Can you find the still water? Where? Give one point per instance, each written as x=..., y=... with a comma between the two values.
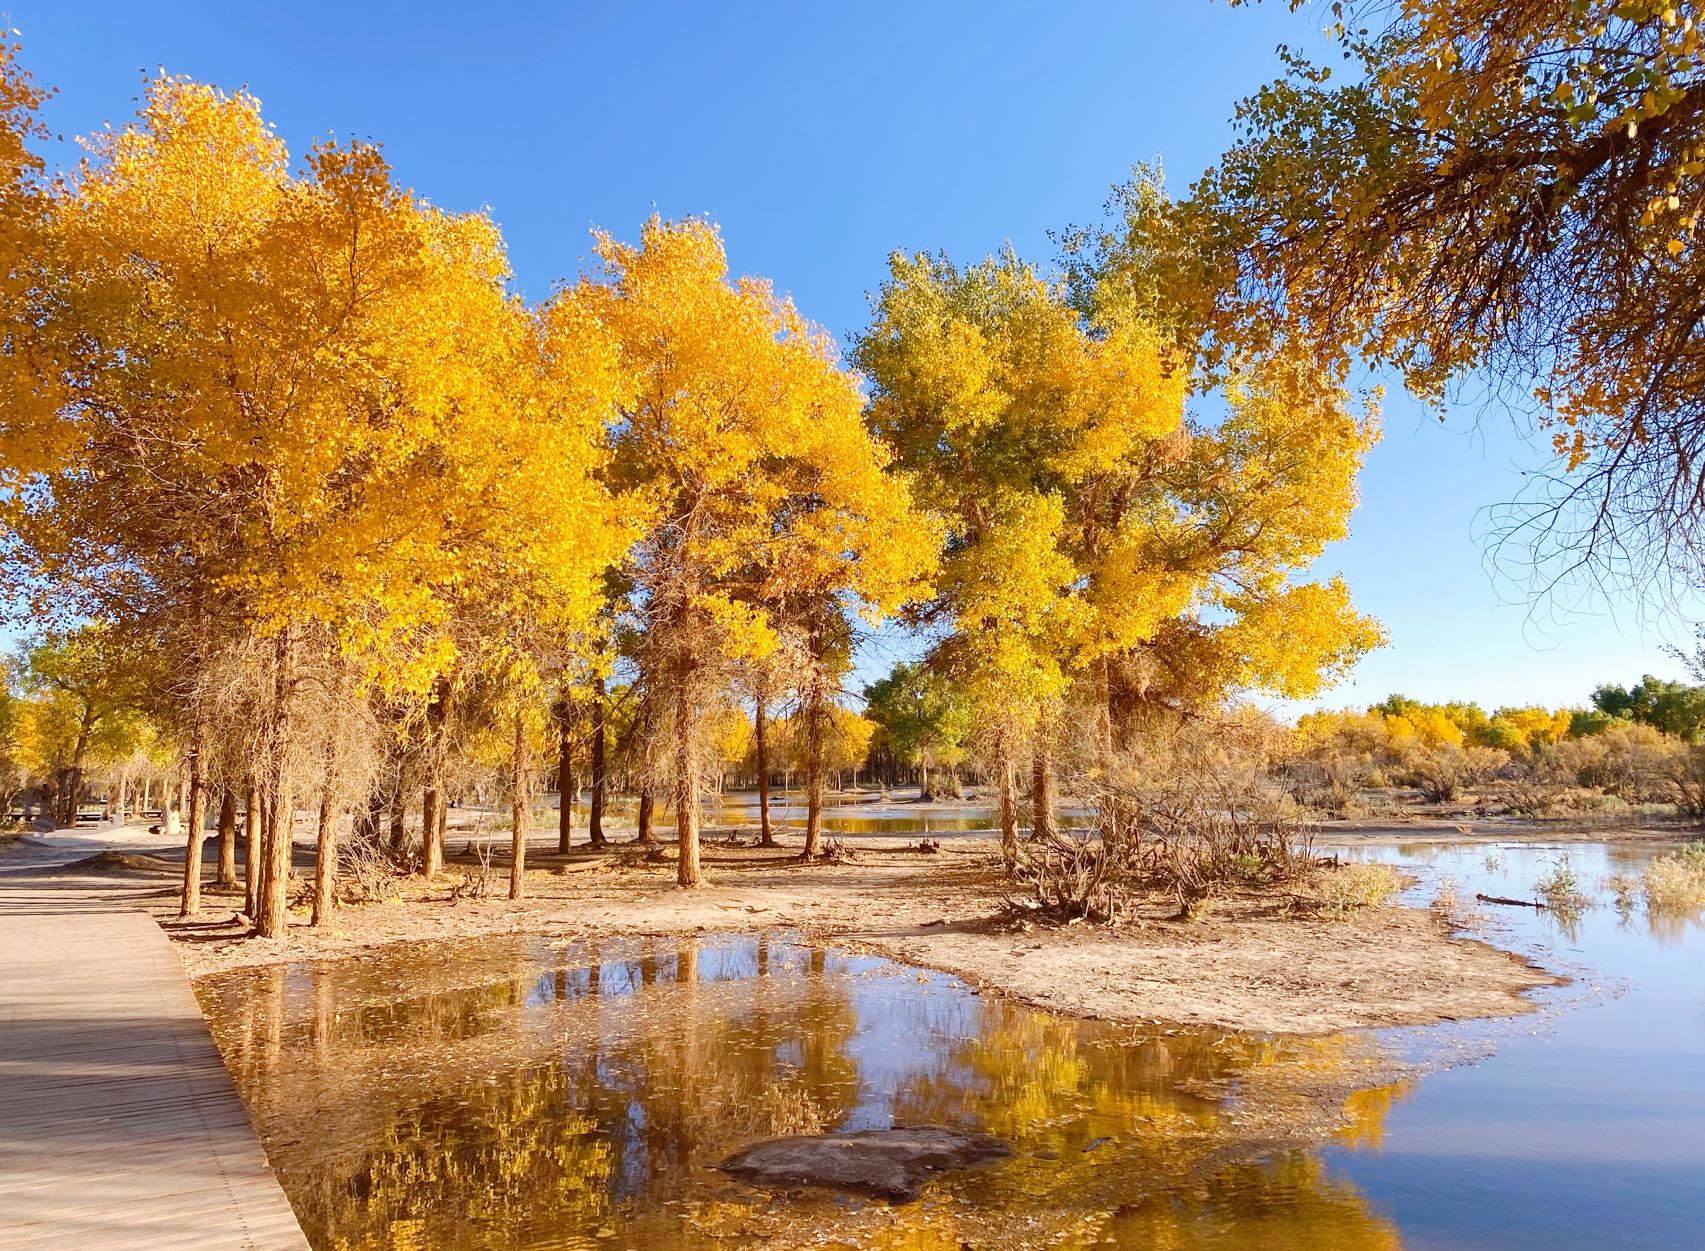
x=857, y=813
x=515, y=1092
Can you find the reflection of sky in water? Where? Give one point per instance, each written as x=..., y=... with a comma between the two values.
x=891, y=1026
x=1587, y=1128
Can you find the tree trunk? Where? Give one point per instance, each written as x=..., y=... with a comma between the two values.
x=1044, y=823
x=1110, y=815
x=760, y=727
x=433, y=809
x=518, y=811
x=686, y=783
x=74, y=777
x=227, y=878
x=274, y=921
x=325, y=859
x=647, y=812
x=814, y=771
x=274, y=901
x=1009, y=802
x=600, y=774
x=565, y=772
x=399, y=816
x=123, y=812
x=431, y=850
x=252, y=843
x=197, y=821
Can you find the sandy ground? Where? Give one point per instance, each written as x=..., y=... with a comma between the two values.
x=1244, y=970
x=1253, y=965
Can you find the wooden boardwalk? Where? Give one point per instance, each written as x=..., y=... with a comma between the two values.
x=119, y=1126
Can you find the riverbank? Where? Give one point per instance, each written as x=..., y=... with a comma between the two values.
x=1253, y=965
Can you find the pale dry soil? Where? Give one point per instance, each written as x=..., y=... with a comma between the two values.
x=1252, y=965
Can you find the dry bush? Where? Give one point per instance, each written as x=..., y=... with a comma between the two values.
x=1677, y=881
x=1441, y=774
x=368, y=872
x=477, y=879
x=1636, y=763
x=1185, y=810
x=1687, y=776
x=1328, y=782
x=1345, y=889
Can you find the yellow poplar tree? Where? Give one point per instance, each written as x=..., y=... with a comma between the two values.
x=1040, y=436
x=304, y=410
x=1097, y=534
x=30, y=437
x=762, y=485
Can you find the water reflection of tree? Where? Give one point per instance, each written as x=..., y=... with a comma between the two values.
x=458, y=1119
x=1115, y=1135
x=1287, y=1204
x=548, y=1103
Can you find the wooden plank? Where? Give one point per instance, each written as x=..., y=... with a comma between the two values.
x=119, y=1124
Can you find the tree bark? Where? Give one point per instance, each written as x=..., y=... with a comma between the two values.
x=74, y=776
x=647, y=813
x=325, y=859
x=227, y=878
x=431, y=851
x=1044, y=822
x=274, y=920
x=253, y=840
x=518, y=811
x=686, y=782
x=197, y=821
x=815, y=714
x=760, y=730
x=565, y=773
x=1009, y=802
x=433, y=809
x=600, y=774
x=399, y=815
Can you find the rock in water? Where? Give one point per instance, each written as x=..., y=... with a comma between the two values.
x=893, y=1163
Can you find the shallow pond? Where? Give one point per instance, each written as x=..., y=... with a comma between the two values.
x=848, y=813
x=1587, y=1127
x=858, y=818
x=518, y=1092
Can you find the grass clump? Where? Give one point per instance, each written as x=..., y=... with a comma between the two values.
x=1349, y=888
x=1677, y=880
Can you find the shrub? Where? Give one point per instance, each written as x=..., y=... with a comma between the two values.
x=1349, y=888
x=1186, y=811
x=1561, y=887
x=1676, y=881
x=1444, y=772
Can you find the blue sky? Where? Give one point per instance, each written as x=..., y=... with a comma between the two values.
x=821, y=138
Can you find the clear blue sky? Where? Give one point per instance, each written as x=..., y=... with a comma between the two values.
x=821, y=137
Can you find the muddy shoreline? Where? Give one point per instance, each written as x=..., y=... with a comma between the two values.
x=1252, y=966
